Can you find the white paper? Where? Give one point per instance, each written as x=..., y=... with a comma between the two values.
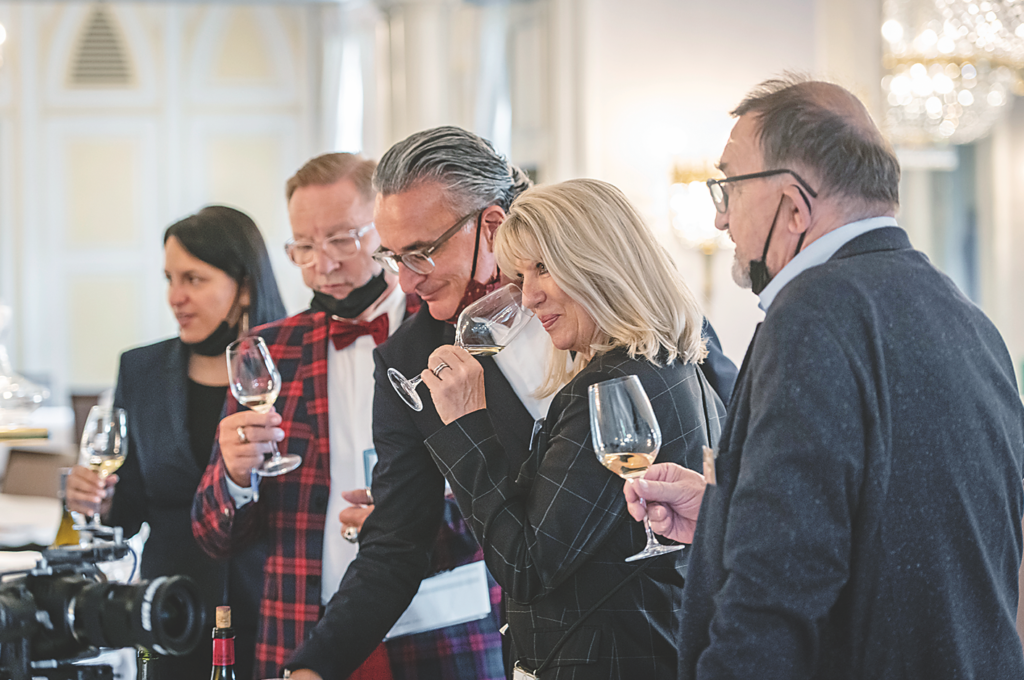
x=447, y=599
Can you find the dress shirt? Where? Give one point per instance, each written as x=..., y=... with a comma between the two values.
x=524, y=362
x=818, y=252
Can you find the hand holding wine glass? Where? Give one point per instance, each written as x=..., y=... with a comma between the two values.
x=255, y=383
x=103, y=449
x=484, y=328
x=626, y=439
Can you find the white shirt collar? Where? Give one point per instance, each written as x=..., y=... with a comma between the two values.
x=818, y=252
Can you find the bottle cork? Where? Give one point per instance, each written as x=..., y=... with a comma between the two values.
x=224, y=617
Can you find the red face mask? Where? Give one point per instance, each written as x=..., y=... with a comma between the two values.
x=474, y=291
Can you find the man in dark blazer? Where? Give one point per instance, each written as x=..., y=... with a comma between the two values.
x=324, y=356
x=442, y=194
x=866, y=521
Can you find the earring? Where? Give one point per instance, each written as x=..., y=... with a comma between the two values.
x=245, y=323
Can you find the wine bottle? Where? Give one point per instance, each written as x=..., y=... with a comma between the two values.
x=223, y=646
x=147, y=665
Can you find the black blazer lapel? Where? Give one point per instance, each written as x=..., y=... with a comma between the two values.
x=173, y=429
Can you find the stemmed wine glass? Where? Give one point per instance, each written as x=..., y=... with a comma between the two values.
x=103, y=448
x=255, y=383
x=483, y=329
x=626, y=439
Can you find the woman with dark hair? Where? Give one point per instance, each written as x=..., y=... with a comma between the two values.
x=219, y=283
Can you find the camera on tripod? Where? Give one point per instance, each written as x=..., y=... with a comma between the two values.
x=64, y=610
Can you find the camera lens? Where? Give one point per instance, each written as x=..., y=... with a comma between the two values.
x=165, y=615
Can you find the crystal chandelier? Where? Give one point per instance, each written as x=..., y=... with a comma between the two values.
x=952, y=65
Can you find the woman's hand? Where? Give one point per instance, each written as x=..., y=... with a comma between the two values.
x=456, y=382
x=244, y=439
x=352, y=518
x=86, y=492
x=673, y=494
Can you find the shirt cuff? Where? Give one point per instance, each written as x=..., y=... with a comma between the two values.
x=241, y=495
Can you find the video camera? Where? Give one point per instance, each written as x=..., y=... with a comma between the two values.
x=64, y=610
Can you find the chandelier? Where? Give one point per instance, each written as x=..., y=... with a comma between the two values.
x=951, y=67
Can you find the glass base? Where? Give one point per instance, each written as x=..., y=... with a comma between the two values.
x=272, y=467
x=406, y=389
x=654, y=551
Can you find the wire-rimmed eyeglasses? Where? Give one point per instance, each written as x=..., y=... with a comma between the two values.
x=420, y=260
x=339, y=247
x=720, y=196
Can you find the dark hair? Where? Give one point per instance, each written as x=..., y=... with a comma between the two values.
x=824, y=127
x=473, y=174
x=329, y=168
x=229, y=240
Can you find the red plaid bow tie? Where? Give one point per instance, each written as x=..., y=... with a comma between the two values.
x=344, y=333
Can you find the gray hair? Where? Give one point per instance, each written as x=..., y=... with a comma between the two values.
x=473, y=174
x=826, y=129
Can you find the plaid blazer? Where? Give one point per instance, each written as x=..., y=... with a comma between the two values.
x=555, y=531
x=291, y=515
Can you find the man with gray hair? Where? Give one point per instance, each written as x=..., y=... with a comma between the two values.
x=442, y=194
x=862, y=518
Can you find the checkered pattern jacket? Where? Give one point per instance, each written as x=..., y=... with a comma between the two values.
x=291, y=513
x=555, y=530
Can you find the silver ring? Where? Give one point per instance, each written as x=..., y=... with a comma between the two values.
x=440, y=367
x=242, y=439
x=369, y=496
x=350, y=534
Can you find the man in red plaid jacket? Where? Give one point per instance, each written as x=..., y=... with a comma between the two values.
x=323, y=414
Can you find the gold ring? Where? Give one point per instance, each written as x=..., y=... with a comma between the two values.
x=440, y=367
x=369, y=496
x=242, y=439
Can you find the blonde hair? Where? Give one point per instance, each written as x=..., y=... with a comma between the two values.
x=600, y=252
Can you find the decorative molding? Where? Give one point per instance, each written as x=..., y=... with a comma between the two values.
x=201, y=88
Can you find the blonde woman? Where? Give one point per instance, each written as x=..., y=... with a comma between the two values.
x=555, y=530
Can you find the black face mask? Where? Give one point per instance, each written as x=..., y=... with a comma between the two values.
x=216, y=342
x=355, y=303
x=759, y=275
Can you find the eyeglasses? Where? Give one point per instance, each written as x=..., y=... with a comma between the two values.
x=721, y=198
x=338, y=248
x=420, y=260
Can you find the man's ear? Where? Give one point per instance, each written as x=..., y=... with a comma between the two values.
x=798, y=212
x=491, y=219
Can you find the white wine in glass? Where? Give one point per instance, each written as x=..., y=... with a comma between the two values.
x=483, y=329
x=103, y=448
x=626, y=438
x=255, y=383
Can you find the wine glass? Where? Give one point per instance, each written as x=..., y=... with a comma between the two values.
x=103, y=448
x=255, y=383
x=483, y=329
x=626, y=439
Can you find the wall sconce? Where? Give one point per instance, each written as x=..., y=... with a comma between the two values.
x=692, y=215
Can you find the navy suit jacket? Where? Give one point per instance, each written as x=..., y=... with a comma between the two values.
x=394, y=545
x=157, y=484
x=867, y=518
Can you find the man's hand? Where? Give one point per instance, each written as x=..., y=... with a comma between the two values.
x=88, y=493
x=362, y=506
x=259, y=429
x=673, y=494
x=458, y=387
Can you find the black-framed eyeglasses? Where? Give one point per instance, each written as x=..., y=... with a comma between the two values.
x=339, y=247
x=720, y=196
x=420, y=260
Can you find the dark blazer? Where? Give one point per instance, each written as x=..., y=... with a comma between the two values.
x=157, y=483
x=867, y=518
x=555, y=530
x=393, y=555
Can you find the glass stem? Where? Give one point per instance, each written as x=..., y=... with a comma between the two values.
x=651, y=540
